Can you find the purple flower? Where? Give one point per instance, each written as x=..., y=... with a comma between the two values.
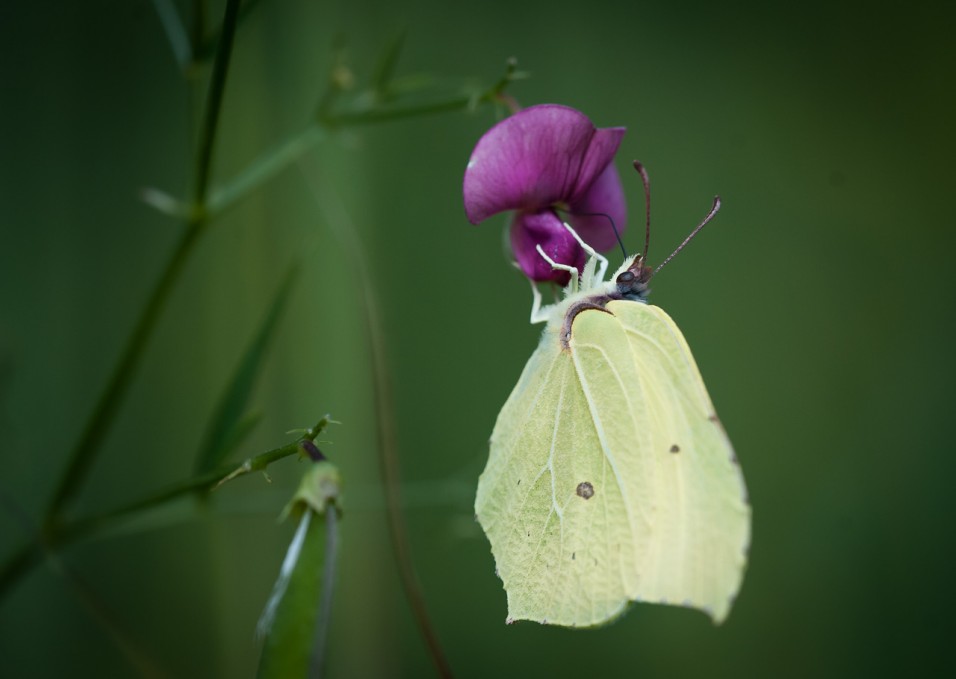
x=541, y=159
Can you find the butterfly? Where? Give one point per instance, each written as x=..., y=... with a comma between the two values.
x=610, y=478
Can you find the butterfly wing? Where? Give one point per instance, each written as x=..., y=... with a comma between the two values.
x=688, y=493
x=584, y=502
x=556, y=553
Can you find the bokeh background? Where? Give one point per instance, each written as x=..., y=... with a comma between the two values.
x=820, y=307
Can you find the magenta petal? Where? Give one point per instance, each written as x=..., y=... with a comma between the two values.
x=544, y=228
x=532, y=160
x=606, y=196
x=599, y=155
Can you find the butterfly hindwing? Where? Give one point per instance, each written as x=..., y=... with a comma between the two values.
x=548, y=503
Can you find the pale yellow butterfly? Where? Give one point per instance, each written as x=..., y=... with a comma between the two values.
x=610, y=478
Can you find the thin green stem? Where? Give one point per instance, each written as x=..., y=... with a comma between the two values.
x=207, y=481
x=98, y=425
x=121, y=635
x=209, y=45
x=217, y=86
x=379, y=114
x=376, y=114
x=284, y=154
x=388, y=447
x=19, y=564
x=337, y=218
x=55, y=537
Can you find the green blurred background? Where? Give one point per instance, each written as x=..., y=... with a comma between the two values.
x=820, y=307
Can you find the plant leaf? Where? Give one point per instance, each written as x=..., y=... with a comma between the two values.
x=385, y=72
x=296, y=619
x=231, y=423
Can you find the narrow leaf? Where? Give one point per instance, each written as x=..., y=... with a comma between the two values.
x=175, y=31
x=382, y=78
x=295, y=621
x=231, y=423
x=266, y=166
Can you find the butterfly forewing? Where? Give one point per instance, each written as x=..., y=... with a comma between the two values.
x=702, y=520
x=609, y=478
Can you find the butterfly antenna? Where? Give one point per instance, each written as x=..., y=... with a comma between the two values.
x=710, y=215
x=646, y=180
x=608, y=217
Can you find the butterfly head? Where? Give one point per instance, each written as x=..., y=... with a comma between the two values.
x=631, y=281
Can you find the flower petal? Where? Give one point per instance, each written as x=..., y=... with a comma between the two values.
x=545, y=229
x=599, y=155
x=604, y=197
x=532, y=160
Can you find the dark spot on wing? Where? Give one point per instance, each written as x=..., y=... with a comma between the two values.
x=585, y=490
x=675, y=448
x=572, y=555
x=519, y=482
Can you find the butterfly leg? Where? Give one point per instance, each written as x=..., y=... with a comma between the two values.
x=539, y=313
x=593, y=256
x=573, y=283
x=537, y=316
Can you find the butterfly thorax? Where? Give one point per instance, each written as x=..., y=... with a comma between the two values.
x=630, y=282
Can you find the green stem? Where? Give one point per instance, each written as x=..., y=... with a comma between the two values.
x=337, y=218
x=217, y=86
x=375, y=115
x=120, y=633
x=284, y=154
x=209, y=45
x=208, y=481
x=388, y=448
x=98, y=425
x=55, y=537
x=454, y=103
x=21, y=563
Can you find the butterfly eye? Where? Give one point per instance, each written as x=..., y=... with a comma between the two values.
x=625, y=277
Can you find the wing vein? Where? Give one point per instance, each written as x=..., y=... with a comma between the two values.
x=605, y=448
